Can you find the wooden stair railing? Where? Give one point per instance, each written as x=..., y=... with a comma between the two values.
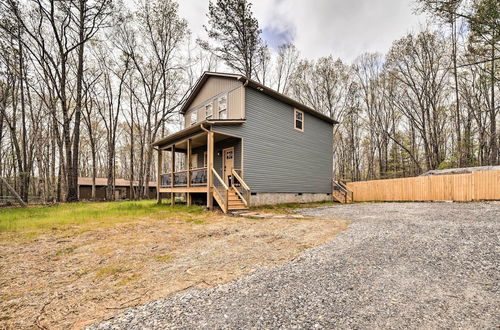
x=222, y=197
x=341, y=193
x=242, y=184
x=230, y=198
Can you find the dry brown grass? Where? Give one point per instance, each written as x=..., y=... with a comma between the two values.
x=69, y=281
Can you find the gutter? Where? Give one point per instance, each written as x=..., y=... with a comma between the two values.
x=203, y=128
x=246, y=80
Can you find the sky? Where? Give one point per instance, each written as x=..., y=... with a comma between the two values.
x=342, y=28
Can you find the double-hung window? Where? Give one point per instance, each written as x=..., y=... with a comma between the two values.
x=299, y=120
x=193, y=117
x=223, y=107
x=208, y=111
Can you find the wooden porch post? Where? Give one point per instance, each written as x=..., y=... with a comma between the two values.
x=188, y=176
x=210, y=164
x=158, y=182
x=172, y=176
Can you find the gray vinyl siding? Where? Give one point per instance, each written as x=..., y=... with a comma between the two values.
x=276, y=157
x=218, y=153
x=218, y=147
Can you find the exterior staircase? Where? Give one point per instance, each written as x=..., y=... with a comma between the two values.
x=235, y=203
x=341, y=194
x=232, y=197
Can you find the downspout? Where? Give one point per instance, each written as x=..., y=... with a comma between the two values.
x=203, y=128
x=243, y=104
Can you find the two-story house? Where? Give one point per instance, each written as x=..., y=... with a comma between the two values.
x=246, y=144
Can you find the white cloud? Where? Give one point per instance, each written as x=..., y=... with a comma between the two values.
x=342, y=28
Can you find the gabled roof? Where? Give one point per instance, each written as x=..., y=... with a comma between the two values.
x=252, y=83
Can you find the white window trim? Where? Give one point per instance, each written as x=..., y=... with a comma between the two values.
x=206, y=113
x=218, y=103
x=193, y=112
x=295, y=120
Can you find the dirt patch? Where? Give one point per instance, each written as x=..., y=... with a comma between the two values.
x=71, y=281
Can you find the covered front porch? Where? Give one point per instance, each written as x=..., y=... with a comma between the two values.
x=203, y=165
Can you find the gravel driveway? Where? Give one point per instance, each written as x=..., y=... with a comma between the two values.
x=399, y=265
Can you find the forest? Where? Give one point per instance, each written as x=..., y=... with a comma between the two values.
x=87, y=85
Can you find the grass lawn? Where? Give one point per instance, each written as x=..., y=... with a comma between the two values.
x=71, y=265
x=40, y=219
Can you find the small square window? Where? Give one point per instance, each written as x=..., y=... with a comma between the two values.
x=299, y=120
x=208, y=111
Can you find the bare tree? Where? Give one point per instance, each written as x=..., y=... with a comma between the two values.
x=286, y=62
x=420, y=64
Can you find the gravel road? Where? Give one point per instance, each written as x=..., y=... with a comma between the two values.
x=399, y=265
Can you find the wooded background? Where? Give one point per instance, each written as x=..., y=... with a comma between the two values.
x=87, y=85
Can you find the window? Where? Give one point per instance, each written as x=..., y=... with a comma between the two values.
x=299, y=120
x=208, y=111
x=223, y=107
x=194, y=161
x=194, y=117
x=205, y=159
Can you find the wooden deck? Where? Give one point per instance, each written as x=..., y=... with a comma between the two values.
x=201, y=189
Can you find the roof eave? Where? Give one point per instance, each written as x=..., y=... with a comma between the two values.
x=288, y=100
x=266, y=90
x=194, y=128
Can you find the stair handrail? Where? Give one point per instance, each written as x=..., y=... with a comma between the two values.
x=226, y=188
x=219, y=179
x=246, y=200
x=344, y=190
x=348, y=192
x=342, y=184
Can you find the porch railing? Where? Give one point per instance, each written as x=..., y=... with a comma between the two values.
x=198, y=177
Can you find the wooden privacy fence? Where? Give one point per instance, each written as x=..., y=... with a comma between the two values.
x=479, y=185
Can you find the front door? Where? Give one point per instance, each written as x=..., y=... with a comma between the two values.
x=227, y=163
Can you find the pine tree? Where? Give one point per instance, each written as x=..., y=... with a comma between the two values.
x=236, y=34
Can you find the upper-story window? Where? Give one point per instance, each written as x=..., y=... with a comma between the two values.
x=223, y=107
x=208, y=111
x=299, y=120
x=194, y=117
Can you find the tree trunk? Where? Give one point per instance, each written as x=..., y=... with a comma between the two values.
x=73, y=172
x=493, y=125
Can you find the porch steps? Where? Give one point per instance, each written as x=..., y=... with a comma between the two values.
x=341, y=198
x=341, y=193
x=234, y=202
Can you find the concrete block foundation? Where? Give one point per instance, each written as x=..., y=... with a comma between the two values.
x=279, y=198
